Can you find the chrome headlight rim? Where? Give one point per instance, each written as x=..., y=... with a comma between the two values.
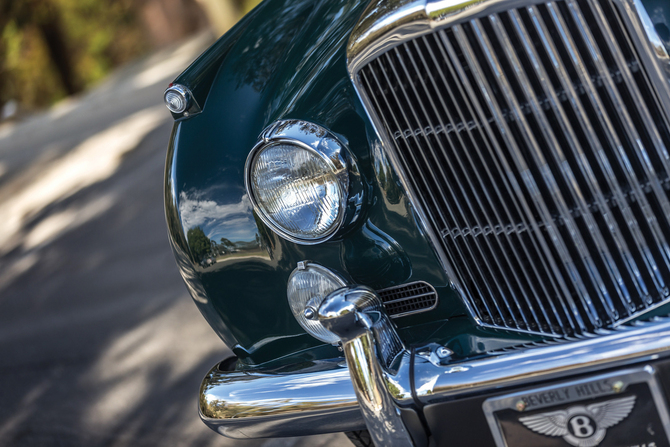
x=323, y=144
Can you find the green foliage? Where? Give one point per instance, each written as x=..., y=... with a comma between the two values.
x=97, y=35
x=26, y=74
x=103, y=34
x=52, y=48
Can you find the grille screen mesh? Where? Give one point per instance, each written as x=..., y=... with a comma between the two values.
x=538, y=150
x=408, y=298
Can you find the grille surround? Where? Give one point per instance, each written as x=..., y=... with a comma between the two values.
x=527, y=309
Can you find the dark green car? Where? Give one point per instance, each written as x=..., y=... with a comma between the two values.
x=431, y=222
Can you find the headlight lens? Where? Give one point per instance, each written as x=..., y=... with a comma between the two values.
x=297, y=191
x=311, y=283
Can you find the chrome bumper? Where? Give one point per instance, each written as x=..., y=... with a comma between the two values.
x=321, y=399
x=312, y=399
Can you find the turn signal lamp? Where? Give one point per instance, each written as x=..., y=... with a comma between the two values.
x=177, y=98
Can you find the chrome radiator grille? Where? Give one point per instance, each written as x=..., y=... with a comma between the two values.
x=537, y=147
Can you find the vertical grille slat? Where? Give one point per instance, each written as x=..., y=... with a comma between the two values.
x=589, y=213
x=530, y=182
x=642, y=157
x=536, y=147
x=482, y=203
x=569, y=203
x=528, y=221
x=459, y=253
x=491, y=193
x=603, y=167
x=469, y=217
x=633, y=185
x=600, y=210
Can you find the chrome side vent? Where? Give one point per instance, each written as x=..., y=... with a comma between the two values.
x=536, y=144
x=408, y=299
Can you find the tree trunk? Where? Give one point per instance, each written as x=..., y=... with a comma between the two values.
x=52, y=32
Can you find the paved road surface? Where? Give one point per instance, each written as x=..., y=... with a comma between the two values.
x=100, y=344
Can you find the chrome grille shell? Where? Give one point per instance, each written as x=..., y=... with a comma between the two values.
x=532, y=139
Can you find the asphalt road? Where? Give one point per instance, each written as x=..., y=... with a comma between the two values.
x=100, y=344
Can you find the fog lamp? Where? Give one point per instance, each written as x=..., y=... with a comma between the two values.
x=308, y=285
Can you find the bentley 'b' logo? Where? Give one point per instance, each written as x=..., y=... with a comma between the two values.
x=581, y=426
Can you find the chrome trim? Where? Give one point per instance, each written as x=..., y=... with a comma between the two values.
x=301, y=400
x=389, y=23
x=332, y=150
x=319, y=397
x=385, y=26
x=357, y=316
x=624, y=346
x=654, y=56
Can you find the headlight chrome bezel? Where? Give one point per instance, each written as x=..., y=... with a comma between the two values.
x=329, y=149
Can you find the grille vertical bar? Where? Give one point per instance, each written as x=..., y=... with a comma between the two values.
x=536, y=145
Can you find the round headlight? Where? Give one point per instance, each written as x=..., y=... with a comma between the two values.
x=308, y=285
x=298, y=182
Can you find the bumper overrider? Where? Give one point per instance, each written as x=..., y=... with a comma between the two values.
x=397, y=393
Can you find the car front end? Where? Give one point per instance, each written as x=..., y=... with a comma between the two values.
x=445, y=222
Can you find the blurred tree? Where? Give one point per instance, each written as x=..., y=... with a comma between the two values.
x=167, y=21
x=45, y=17
x=53, y=48
x=223, y=14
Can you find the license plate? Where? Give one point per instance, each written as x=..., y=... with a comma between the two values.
x=623, y=409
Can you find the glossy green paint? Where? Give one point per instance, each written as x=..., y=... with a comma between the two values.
x=659, y=14
x=287, y=60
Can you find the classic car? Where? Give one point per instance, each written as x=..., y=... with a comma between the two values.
x=431, y=222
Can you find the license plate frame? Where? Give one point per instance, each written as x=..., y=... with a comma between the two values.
x=564, y=414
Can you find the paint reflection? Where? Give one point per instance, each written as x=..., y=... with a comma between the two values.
x=372, y=257
x=218, y=232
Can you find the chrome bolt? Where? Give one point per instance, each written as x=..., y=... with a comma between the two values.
x=617, y=387
x=443, y=352
x=520, y=405
x=309, y=313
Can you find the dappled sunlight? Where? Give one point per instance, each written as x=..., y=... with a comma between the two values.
x=63, y=108
x=101, y=344
x=134, y=363
x=6, y=129
x=92, y=161
x=17, y=268
x=29, y=406
x=69, y=219
x=168, y=64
